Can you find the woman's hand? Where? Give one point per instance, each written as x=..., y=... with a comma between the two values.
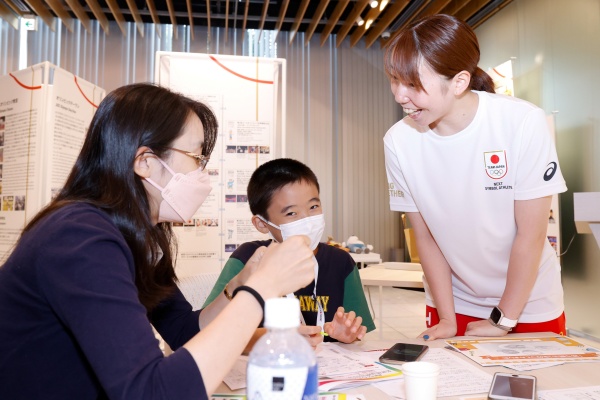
x=312, y=334
x=345, y=327
x=443, y=330
x=484, y=328
x=283, y=267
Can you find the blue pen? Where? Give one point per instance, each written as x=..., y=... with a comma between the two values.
x=425, y=337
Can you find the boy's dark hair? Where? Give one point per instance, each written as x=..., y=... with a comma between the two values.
x=272, y=176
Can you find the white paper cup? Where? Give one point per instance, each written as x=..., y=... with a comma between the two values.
x=420, y=380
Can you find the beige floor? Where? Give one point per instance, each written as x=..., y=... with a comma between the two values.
x=403, y=313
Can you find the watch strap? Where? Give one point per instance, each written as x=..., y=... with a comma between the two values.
x=498, y=319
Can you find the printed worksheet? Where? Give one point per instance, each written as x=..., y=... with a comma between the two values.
x=336, y=362
x=322, y=396
x=519, y=350
x=340, y=368
x=580, y=393
x=457, y=376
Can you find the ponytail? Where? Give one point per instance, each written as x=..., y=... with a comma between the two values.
x=480, y=80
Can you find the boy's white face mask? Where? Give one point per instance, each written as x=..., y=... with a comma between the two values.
x=313, y=227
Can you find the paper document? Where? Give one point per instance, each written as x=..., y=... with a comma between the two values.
x=236, y=378
x=340, y=368
x=457, y=376
x=507, y=351
x=519, y=367
x=580, y=393
x=322, y=396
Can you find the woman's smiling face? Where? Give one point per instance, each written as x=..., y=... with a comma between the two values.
x=428, y=106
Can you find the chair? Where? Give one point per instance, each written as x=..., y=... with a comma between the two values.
x=411, y=242
x=196, y=288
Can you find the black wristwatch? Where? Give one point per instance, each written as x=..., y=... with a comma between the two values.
x=498, y=319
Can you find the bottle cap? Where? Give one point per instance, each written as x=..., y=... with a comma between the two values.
x=282, y=313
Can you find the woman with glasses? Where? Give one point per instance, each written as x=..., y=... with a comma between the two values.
x=93, y=271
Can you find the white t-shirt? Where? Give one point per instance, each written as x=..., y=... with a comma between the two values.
x=465, y=185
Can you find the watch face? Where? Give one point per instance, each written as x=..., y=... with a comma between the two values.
x=496, y=315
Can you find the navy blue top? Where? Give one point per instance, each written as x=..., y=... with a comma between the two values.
x=71, y=324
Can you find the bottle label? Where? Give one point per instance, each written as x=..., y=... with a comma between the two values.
x=265, y=383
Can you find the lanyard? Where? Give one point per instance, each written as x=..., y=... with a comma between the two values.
x=320, y=312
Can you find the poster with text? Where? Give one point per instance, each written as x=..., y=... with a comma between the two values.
x=22, y=108
x=243, y=93
x=43, y=119
x=72, y=103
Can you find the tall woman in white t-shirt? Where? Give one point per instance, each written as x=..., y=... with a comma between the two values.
x=475, y=172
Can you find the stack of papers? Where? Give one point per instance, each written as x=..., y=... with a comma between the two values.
x=322, y=396
x=341, y=369
x=525, y=353
x=580, y=393
x=457, y=376
x=338, y=368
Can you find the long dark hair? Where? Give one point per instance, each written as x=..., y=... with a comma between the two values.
x=128, y=118
x=444, y=42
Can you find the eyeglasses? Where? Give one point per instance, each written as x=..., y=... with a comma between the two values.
x=200, y=159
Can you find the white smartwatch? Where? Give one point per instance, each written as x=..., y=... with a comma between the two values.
x=498, y=319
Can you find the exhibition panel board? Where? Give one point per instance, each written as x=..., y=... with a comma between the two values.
x=45, y=112
x=245, y=93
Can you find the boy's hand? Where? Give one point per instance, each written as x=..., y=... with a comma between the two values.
x=345, y=327
x=312, y=334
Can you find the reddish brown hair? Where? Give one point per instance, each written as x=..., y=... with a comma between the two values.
x=444, y=42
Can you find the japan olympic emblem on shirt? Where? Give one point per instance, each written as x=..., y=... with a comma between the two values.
x=496, y=166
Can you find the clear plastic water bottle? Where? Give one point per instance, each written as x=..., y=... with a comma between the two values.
x=282, y=365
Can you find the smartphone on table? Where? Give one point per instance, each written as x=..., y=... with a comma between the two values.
x=403, y=352
x=512, y=387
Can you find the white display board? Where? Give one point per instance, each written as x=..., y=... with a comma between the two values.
x=247, y=95
x=554, y=215
x=44, y=115
x=502, y=75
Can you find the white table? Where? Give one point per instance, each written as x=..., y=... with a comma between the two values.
x=569, y=375
x=587, y=213
x=362, y=259
x=378, y=275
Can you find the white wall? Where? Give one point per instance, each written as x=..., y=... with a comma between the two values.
x=9, y=48
x=556, y=50
x=339, y=108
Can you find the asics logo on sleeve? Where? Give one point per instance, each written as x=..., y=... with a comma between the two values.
x=552, y=166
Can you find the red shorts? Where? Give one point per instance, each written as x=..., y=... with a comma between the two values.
x=557, y=325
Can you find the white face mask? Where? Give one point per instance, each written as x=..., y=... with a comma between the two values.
x=313, y=227
x=183, y=195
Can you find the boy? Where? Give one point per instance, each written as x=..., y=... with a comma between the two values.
x=283, y=195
